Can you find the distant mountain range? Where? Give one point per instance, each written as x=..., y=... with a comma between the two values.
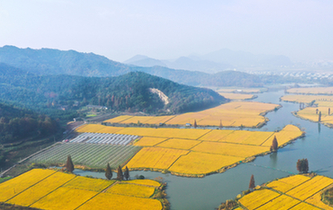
x=214, y=62
x=56, y=62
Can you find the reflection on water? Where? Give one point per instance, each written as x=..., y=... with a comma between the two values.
x=210, y=191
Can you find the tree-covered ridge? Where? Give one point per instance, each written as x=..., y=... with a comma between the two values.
x=129, y=92
x=19, y=124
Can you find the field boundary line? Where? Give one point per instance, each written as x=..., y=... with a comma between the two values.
x=178, y=159
x=156, y=145
x=30, y=186
x=52, y=190
x=170, y=119
x=268, y=138
x=195, y=145
x=210, y=130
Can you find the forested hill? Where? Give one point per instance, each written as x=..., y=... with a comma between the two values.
x=18, y=124
x=129, y=92
x=56, y=62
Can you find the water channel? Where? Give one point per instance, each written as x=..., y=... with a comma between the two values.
x=210, y=191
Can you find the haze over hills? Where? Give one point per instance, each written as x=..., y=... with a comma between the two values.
x=55, y=62
x=214, y=62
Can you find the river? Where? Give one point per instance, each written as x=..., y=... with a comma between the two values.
x=210, y=191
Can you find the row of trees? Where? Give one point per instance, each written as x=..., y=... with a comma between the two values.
x=69, y=166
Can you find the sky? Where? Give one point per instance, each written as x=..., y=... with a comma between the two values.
x=119, y=30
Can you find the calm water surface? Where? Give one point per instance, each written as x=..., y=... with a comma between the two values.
x=210, y=191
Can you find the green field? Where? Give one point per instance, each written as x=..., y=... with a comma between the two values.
x=89, y=155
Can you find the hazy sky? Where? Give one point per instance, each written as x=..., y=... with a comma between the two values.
x=300, y=29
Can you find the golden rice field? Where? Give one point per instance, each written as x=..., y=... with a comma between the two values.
x=194, y=152
x=233, y=114
x=202, y=163
x=132, y=190
x=312, y=90
x=48, y=189
x=236, y=96
x=293, y=192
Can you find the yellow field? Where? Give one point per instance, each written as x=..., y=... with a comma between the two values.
x=64, y=198
x=149, y=141
x=236, y=96
x=302, y=192
x=309, y=188
x=247, y=137
x=48, y=189
x=118, y=119
x=90, y=128
x=316, y=200
x=39, y=190
x=282, y=202
x=304, y=206
x=107, y=201
x=147, y=182
x=231, y=114
x=85, y=183
x=155, y=157
x=132, y=190
x=285, y=184
x=109, y=129
x=228, y=149
x=258, y=198
x=179, y=144
x=15, y=186
x=309, y=113
x=320, y=100
x=202, y=163
x=164, y=147
x=312, y=90
x=215, y=135
x=285, y=135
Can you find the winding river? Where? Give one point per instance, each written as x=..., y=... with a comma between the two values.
x=210, y=191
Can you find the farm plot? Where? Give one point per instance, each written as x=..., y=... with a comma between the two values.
x=104, y=138
x=60, y=190
x=293, y=192
x=39, y=190
x=15, y=186
x=202, y=163
x=155, y=157
x=149, y=141
x=232, y=114
x=89, y=155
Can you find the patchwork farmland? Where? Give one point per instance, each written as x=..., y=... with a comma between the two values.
x=293, y=192
x=233, y=114
x=195, y=152
x=49, y=189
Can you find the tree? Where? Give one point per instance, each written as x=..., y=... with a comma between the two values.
x=69, y=164
x=252, y=183
x=126, y=173
x=329, y=111
x=274, y=146
x=195, y=123
x=108, y=172
x=302, y=165
x=221, y=126
x=120, y=173
x=319, y=117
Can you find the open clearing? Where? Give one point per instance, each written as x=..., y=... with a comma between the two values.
x=49, y=189
x=293, y=192
x=233, y=114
